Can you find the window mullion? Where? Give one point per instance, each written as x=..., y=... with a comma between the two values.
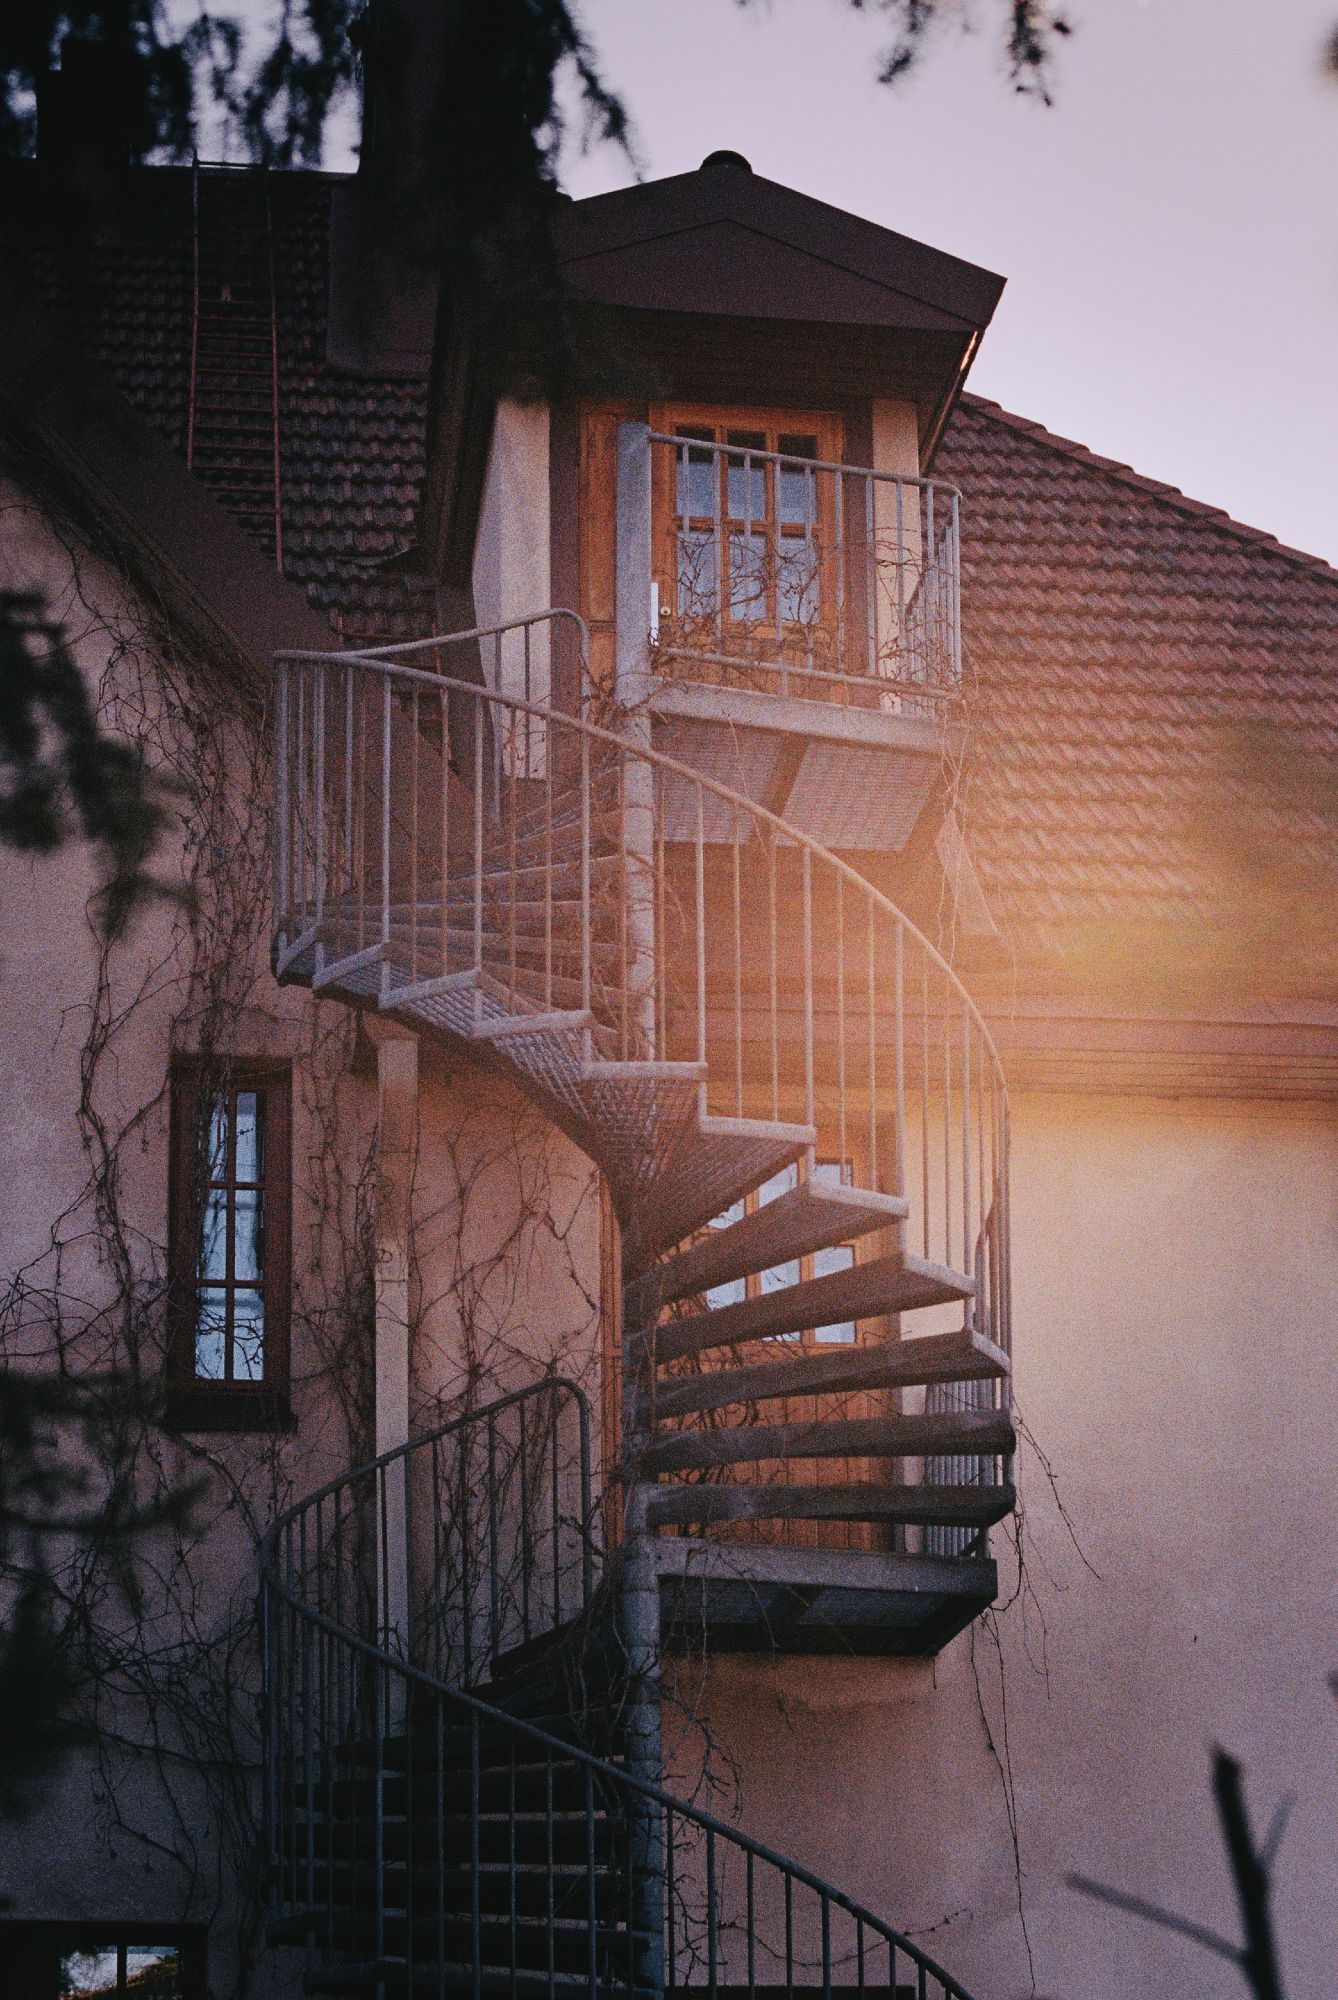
x=230, y=1223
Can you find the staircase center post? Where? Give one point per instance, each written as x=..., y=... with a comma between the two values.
x=640, y=1611
x=632, y=688
x=397, y=1130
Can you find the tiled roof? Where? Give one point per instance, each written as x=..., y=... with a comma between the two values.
x=352, y=445
x=1155, y=704
x=1155, y=687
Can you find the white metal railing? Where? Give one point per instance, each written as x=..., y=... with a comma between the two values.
x=440, y=841
x=804, y=576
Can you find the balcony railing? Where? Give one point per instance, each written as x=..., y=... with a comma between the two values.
x=800, y=576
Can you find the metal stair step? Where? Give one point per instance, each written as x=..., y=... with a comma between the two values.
x=863, y=1501
x=724, y=1159
x=557, y=1021
x=964, y=1356
x=506, y=1938
x=533, y=947
x=454, y=1746
x=536, y=837
x=530, y=1838
x=523, y=1982
x=984, y=1433
x=534, y=1886
x=530, y=1787
x=880, y=1287
x=809, y=1216
x=868, y=1500
x=564, y=870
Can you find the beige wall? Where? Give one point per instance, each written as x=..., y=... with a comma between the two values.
x=511, y=572
x=506, y=1239
x=1176, y=1266
x=505, y=1212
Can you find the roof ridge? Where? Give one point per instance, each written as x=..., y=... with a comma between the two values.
x=1158, y=489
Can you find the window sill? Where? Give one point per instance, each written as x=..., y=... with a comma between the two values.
x=227, y=1409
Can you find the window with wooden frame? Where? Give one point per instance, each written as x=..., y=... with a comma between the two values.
x=819, y=1264
x=103, y=1961
x=744, y=536
x=231, y=1173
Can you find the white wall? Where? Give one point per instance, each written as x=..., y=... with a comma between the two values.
x=512, y=547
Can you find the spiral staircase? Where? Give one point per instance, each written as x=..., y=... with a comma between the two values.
x=802, y=1125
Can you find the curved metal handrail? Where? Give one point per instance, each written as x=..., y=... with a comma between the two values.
x=387, y=659
x=374, y=1689
x=869, y=1023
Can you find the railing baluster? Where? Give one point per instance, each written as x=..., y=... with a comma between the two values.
x=556, y=1510
x=947, y=1127
x=475, y=1857
x=899, y=1102
x=439, y=1841
x=444, y=862
x=386, y=767
x=750, y=1922
x=712, y=1918
x=481, y=717
x=670, y=1902
x=526, y=1537
x=870, y=577
x=842, y=1149
x=494, y=1580
x=282, y=804
x=924, y=1100
x=775, y=974
x=968, y=1247
x=699, y=886
x=550, y=1859
x=737, y=927
x=809, y=976
x=903, y=650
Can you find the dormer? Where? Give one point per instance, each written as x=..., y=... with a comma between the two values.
x=768, y=572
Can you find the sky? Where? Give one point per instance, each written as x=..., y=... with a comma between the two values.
x=1168, y=228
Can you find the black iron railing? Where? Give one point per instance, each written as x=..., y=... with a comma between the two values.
x=421, y=1837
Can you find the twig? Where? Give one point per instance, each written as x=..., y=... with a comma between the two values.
x=1250, y=1870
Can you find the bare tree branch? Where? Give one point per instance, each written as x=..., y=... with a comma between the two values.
x=1250, y=1871
x=1153, y=1913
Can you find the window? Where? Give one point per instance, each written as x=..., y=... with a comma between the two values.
x=820, y=1264
x=92, y=1961
x=745, y=541
x=230, y=1247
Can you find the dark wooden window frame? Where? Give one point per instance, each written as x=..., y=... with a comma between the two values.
x=31, y=1951
x=722, y=423
x=195, y=1404
x=753, y=1283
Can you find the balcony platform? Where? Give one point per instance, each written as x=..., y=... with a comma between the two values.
x=852, y=777
x=758, y=1597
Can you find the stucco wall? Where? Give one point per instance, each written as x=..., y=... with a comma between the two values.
x=1176, y=1266
x=506, y=1237
x=133, y=1832
x=512, y=558
x=506, y=1219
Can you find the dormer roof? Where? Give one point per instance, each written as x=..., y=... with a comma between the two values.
x=725, y=241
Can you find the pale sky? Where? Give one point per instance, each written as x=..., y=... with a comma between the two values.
x=1168, y=229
